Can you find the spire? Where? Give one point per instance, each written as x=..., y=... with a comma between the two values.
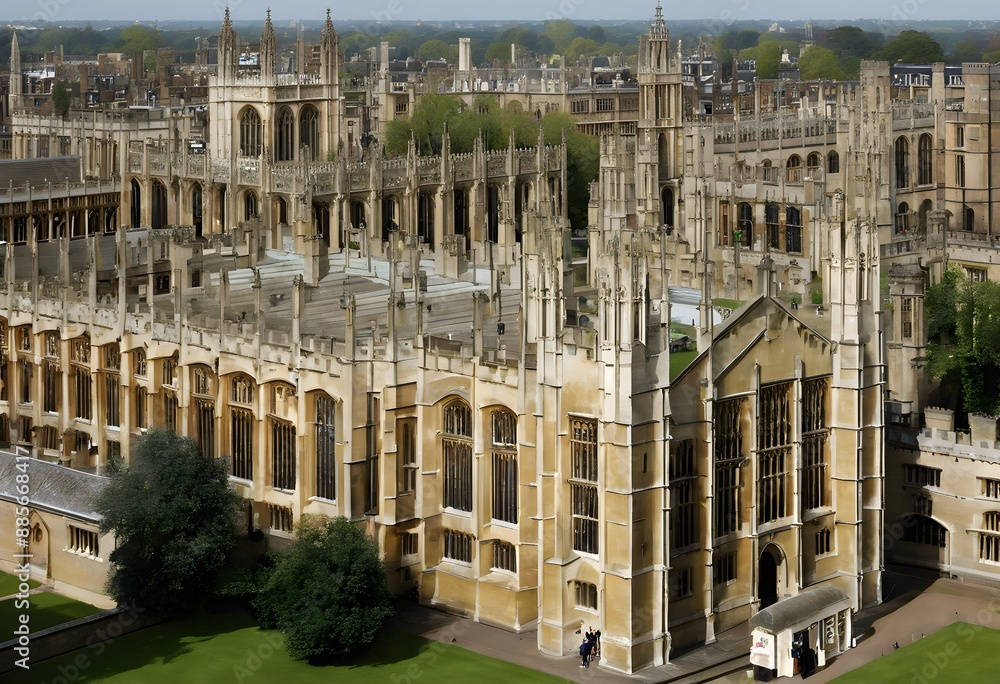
x=658, y=27
x=268, y=47
x=227, y=47
x=15, y=71
x=329, y=60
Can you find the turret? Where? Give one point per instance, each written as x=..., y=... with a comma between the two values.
x=268, y=52
x=228, y=57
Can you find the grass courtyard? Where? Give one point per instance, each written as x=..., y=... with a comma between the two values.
x=44, y=610
x=960, y=652
x=230, y=647
x=8, y=584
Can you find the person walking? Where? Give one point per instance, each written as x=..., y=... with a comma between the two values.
x=585, y=653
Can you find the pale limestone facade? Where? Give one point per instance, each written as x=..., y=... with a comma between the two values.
x=403, y=342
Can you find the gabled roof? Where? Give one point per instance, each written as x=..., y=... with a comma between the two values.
x=52, y=487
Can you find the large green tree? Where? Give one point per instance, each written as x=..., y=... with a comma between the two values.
x=328, y=593
x=60, y=99
x=492, y=126
x=912, y=47
x=173, y=514
x=963, y=338
x=819, y=62
x=851, y=45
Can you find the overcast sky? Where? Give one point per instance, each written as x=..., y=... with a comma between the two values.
x=718, y=11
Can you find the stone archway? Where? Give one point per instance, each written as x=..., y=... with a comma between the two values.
x=770, y=575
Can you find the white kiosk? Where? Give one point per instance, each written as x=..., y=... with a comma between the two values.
x=800, y=633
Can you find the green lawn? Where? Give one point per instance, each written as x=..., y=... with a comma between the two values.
x=727, y=303
x=44, y=610
x=681, y=360
x=958, y=653
x=8, y=584
x=231, y=648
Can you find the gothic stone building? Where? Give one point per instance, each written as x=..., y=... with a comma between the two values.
x=405, y=342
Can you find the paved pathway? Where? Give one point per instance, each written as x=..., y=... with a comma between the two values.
x=916, y=605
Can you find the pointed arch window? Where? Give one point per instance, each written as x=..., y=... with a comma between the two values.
x=284, y=136
x=503, y=443
x=251, y=143
x=457, y=448
x=925, y=160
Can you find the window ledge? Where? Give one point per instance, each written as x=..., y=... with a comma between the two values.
x=814, y=513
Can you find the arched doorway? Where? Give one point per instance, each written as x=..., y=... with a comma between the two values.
x=768, y=575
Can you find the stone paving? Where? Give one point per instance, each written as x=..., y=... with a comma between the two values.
x=916, y=605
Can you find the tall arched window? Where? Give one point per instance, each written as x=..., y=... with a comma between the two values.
x=241, y=427
x=925, y=160
x=425, y=219
x=492, y=213
x=326, y=448
x=902, y=223
x=744, y=224
x=461, y=211
x=457, y=456
x=203, y=401
x=503, y=443
x=159, y=205
x=970, y=219
x=250, y=207
x=196, y=209
x=136, y=202
x=793, y=230
x=901, y=151
x=284, y=136
x=309, y=131
x=793, y=169
x=833, y=162
x=250, y=133
x=667, y=208
x=813, y=161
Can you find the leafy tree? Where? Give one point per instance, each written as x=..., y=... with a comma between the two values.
x=963, y=338
x=60, y=99
x=768, y=58
x=327, y=593
x=582, y=162
x=137, y=40
x=561, y=32
x=969, y=49
x=485, y=121
x=819, y=62
x=498, y=53
x=437, y=49
x=582, y=46
x=174, y=516
x=851, y=45
x=912, y=47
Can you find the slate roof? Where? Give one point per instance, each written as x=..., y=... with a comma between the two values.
x=39, y=171
x=53, y=487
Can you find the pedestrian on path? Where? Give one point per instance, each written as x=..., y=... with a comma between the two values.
x=585, y=653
